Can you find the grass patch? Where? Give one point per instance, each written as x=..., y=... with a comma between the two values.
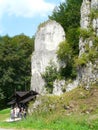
x=82, y=113
x=4, y=114
x=72, y=122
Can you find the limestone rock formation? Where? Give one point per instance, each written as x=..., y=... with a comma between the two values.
x=72, y=85
x=88, y=74
x=58, y=87
x=47, y=39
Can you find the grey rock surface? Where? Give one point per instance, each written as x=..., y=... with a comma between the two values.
x=48, y=37
x=88, y=74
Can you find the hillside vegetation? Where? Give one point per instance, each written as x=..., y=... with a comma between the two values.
x=75, y=110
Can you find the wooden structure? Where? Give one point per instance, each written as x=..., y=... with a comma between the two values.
x=22, y=97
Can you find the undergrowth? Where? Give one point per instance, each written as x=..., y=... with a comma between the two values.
x=75, y=110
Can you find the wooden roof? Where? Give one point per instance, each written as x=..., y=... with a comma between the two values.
x=21, y=93
x=22, y=97
x=27, y=99
x=12, y=102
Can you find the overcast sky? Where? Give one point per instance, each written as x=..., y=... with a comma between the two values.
x=24, y=16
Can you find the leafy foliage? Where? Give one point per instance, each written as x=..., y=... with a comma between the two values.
x=50, y=75
x=93, y=14
x=81, y=61
x=91, y=51
x=68, y=15
x=86, y=33
x=64, y=51
x=91, y=54
x=73, y=40
x=65, y=54
x=15, y=64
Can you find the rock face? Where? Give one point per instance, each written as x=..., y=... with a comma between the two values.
x=47, y=39
x=72, y=85
x=58, y=87
x=88, y=74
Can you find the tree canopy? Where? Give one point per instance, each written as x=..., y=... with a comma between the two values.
x=68, y=15
x=15, y=64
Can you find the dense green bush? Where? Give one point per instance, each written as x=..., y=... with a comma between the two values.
x=51, y=73
x=65, y=55
x=64, y=52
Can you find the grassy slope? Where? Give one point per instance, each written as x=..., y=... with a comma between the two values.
x=4, y=114
x=75, y=110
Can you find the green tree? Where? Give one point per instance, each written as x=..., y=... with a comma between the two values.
x=68, y=15
x=64, y=54
x=15, y=64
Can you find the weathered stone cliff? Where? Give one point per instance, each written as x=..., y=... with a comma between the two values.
x=88, y=73
x=47, y=39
